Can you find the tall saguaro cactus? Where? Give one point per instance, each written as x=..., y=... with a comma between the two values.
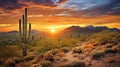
x=25, y=35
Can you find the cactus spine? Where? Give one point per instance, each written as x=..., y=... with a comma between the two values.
x=25, y=36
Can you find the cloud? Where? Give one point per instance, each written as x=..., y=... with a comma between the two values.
x=30, y=16
x=62, y=1
x=76, y=8
x=5, y=25
x=11, y=4
x=18, y=4
x=105, y=9
x=93, y=8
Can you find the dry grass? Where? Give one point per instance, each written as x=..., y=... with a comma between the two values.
x=9, y=51
x=54, y=51
x=110, y=60
x=45, y=63
x=77, y=63
x=65, y=49
x=77, y=49
x=10, y=62
x=97, y=54
x=110, y=50
x=49, y=57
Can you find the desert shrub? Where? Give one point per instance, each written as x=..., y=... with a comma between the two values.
x=36, y=65
x=49, y=57
x=110, y=50
x=110, y=59
x=28, y=58
x=37, y=58
x=76, y=55
x=85, y=49
x=45, y=63
x=77, y=50
x=17, y=59
x=105, y=36
x=64, y=59
x=109, y=45
x=60, y=54
x=65, y=49
x=116, y=48
x=77, y=63
x=97, y=54
x=9, y=51
x=47, y=43
x=54, y=51
x=23, y=64
x=10, y=62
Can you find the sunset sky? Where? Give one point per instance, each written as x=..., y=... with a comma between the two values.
x=47, y=15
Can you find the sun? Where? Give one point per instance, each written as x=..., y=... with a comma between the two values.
x=53, y=30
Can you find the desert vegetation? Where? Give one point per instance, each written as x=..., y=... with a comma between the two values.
x=48, y=51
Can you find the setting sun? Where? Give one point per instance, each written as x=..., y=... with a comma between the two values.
x=53, y=30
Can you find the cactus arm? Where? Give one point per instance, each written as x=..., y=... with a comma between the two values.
x=29, y=34
x=20, y=28
x=25, y=24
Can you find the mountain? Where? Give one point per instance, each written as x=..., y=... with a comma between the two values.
x=90, y=26
x=78, y=29
x=88, y=29
x=14, y=31
x=15, y=34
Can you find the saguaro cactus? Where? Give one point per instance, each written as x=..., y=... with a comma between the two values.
x=25, y=35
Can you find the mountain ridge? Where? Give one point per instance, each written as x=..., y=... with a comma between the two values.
x=87, y=29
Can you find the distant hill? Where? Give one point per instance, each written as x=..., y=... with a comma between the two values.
x=88, y=29
x=14, y=31
x=15, y=34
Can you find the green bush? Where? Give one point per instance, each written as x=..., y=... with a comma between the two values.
x=65, y=49
x=36, y=65
x=64, y=59
x=54, y=51
x=9, y=51
x=97, y=54
x=77, y=63
x=49, y=57
x=106, y=36
x=28, y=58
x=108, y=45
x=110, y=50
x=77, y=50
x=47, y=43
x=18, y=59
x=45, y=63
x=116, y=48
